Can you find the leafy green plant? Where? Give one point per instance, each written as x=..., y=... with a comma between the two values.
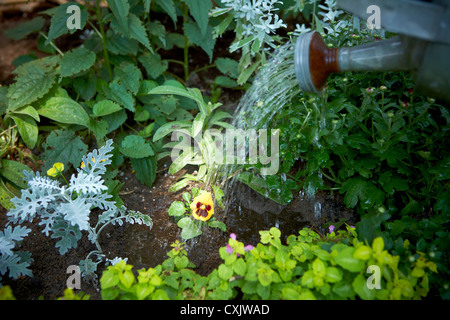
x=190, y=222
x=308, y=266
x=198, y=131
x=93, y=88
x=65, y=211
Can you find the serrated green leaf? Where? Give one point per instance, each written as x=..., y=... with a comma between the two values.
x=205, y=41
x=169, y=7
x=75, y=61
x=153, y=64
x=129, y=76
x=31, y=85
x=58, y=22
x=64, y=110
x=199, y=10
x=118, y=93
x=120, y=10
x=134, y=146
x=63, y=146
x=104, y=107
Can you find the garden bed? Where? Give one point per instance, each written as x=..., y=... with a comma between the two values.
x=342, y=162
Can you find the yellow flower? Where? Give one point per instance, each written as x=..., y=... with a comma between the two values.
x=56, y=170
x=202, y=207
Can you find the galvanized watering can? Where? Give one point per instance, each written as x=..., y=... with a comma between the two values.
x=421, y=47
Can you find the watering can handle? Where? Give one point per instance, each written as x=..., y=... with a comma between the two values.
x=429, y=21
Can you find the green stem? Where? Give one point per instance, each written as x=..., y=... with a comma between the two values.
x=186, y=46
x=204, y=68
x=52, y=44
x=103, y=37
x=175, y=61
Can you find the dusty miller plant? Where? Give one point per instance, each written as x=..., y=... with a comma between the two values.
x=64, y=211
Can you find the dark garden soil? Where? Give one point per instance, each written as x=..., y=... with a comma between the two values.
x=248, y=212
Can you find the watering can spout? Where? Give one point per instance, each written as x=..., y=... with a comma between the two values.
x=314, y=61
x=421, y=48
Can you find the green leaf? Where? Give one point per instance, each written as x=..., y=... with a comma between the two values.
x=13, y=171
x=192, y=93
x=247, y=72
x=361, y=288
x=206, y=41
x=138, y=31
x=31, y=85
x=199, y=9
x=98, y=127
x=120, y=10
x=105, y=107
x=143, y=290
x=58, y=22
x=129, y=75
x=218, y=195
x=153, y=64
x=119, y=93
x=29, y=111
x=217, y=224
x=63, y=146
x=145, y=169
x=333, y=274
x=180, y=162
x=224, y=272
x=127, y=278
x=28, y=129
x=64, y=110
x=228, y=67
x=169, y=7
x=75, y=61
x=190, y=229
x=346, y=260
x=23, y=29
x=362, y=190
x=109, y=279
x=134, y=146
x=177, y=209
x=240, y=267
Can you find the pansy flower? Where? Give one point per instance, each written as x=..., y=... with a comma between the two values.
x=56, y=170
x=202, y=207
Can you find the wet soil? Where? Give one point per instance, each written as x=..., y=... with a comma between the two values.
x=248, y=212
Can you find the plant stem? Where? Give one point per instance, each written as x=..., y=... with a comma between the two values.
x=186, y=46
x=102, y=31
x=52, y=44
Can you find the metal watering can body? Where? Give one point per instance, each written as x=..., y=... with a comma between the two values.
x=422, y=47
